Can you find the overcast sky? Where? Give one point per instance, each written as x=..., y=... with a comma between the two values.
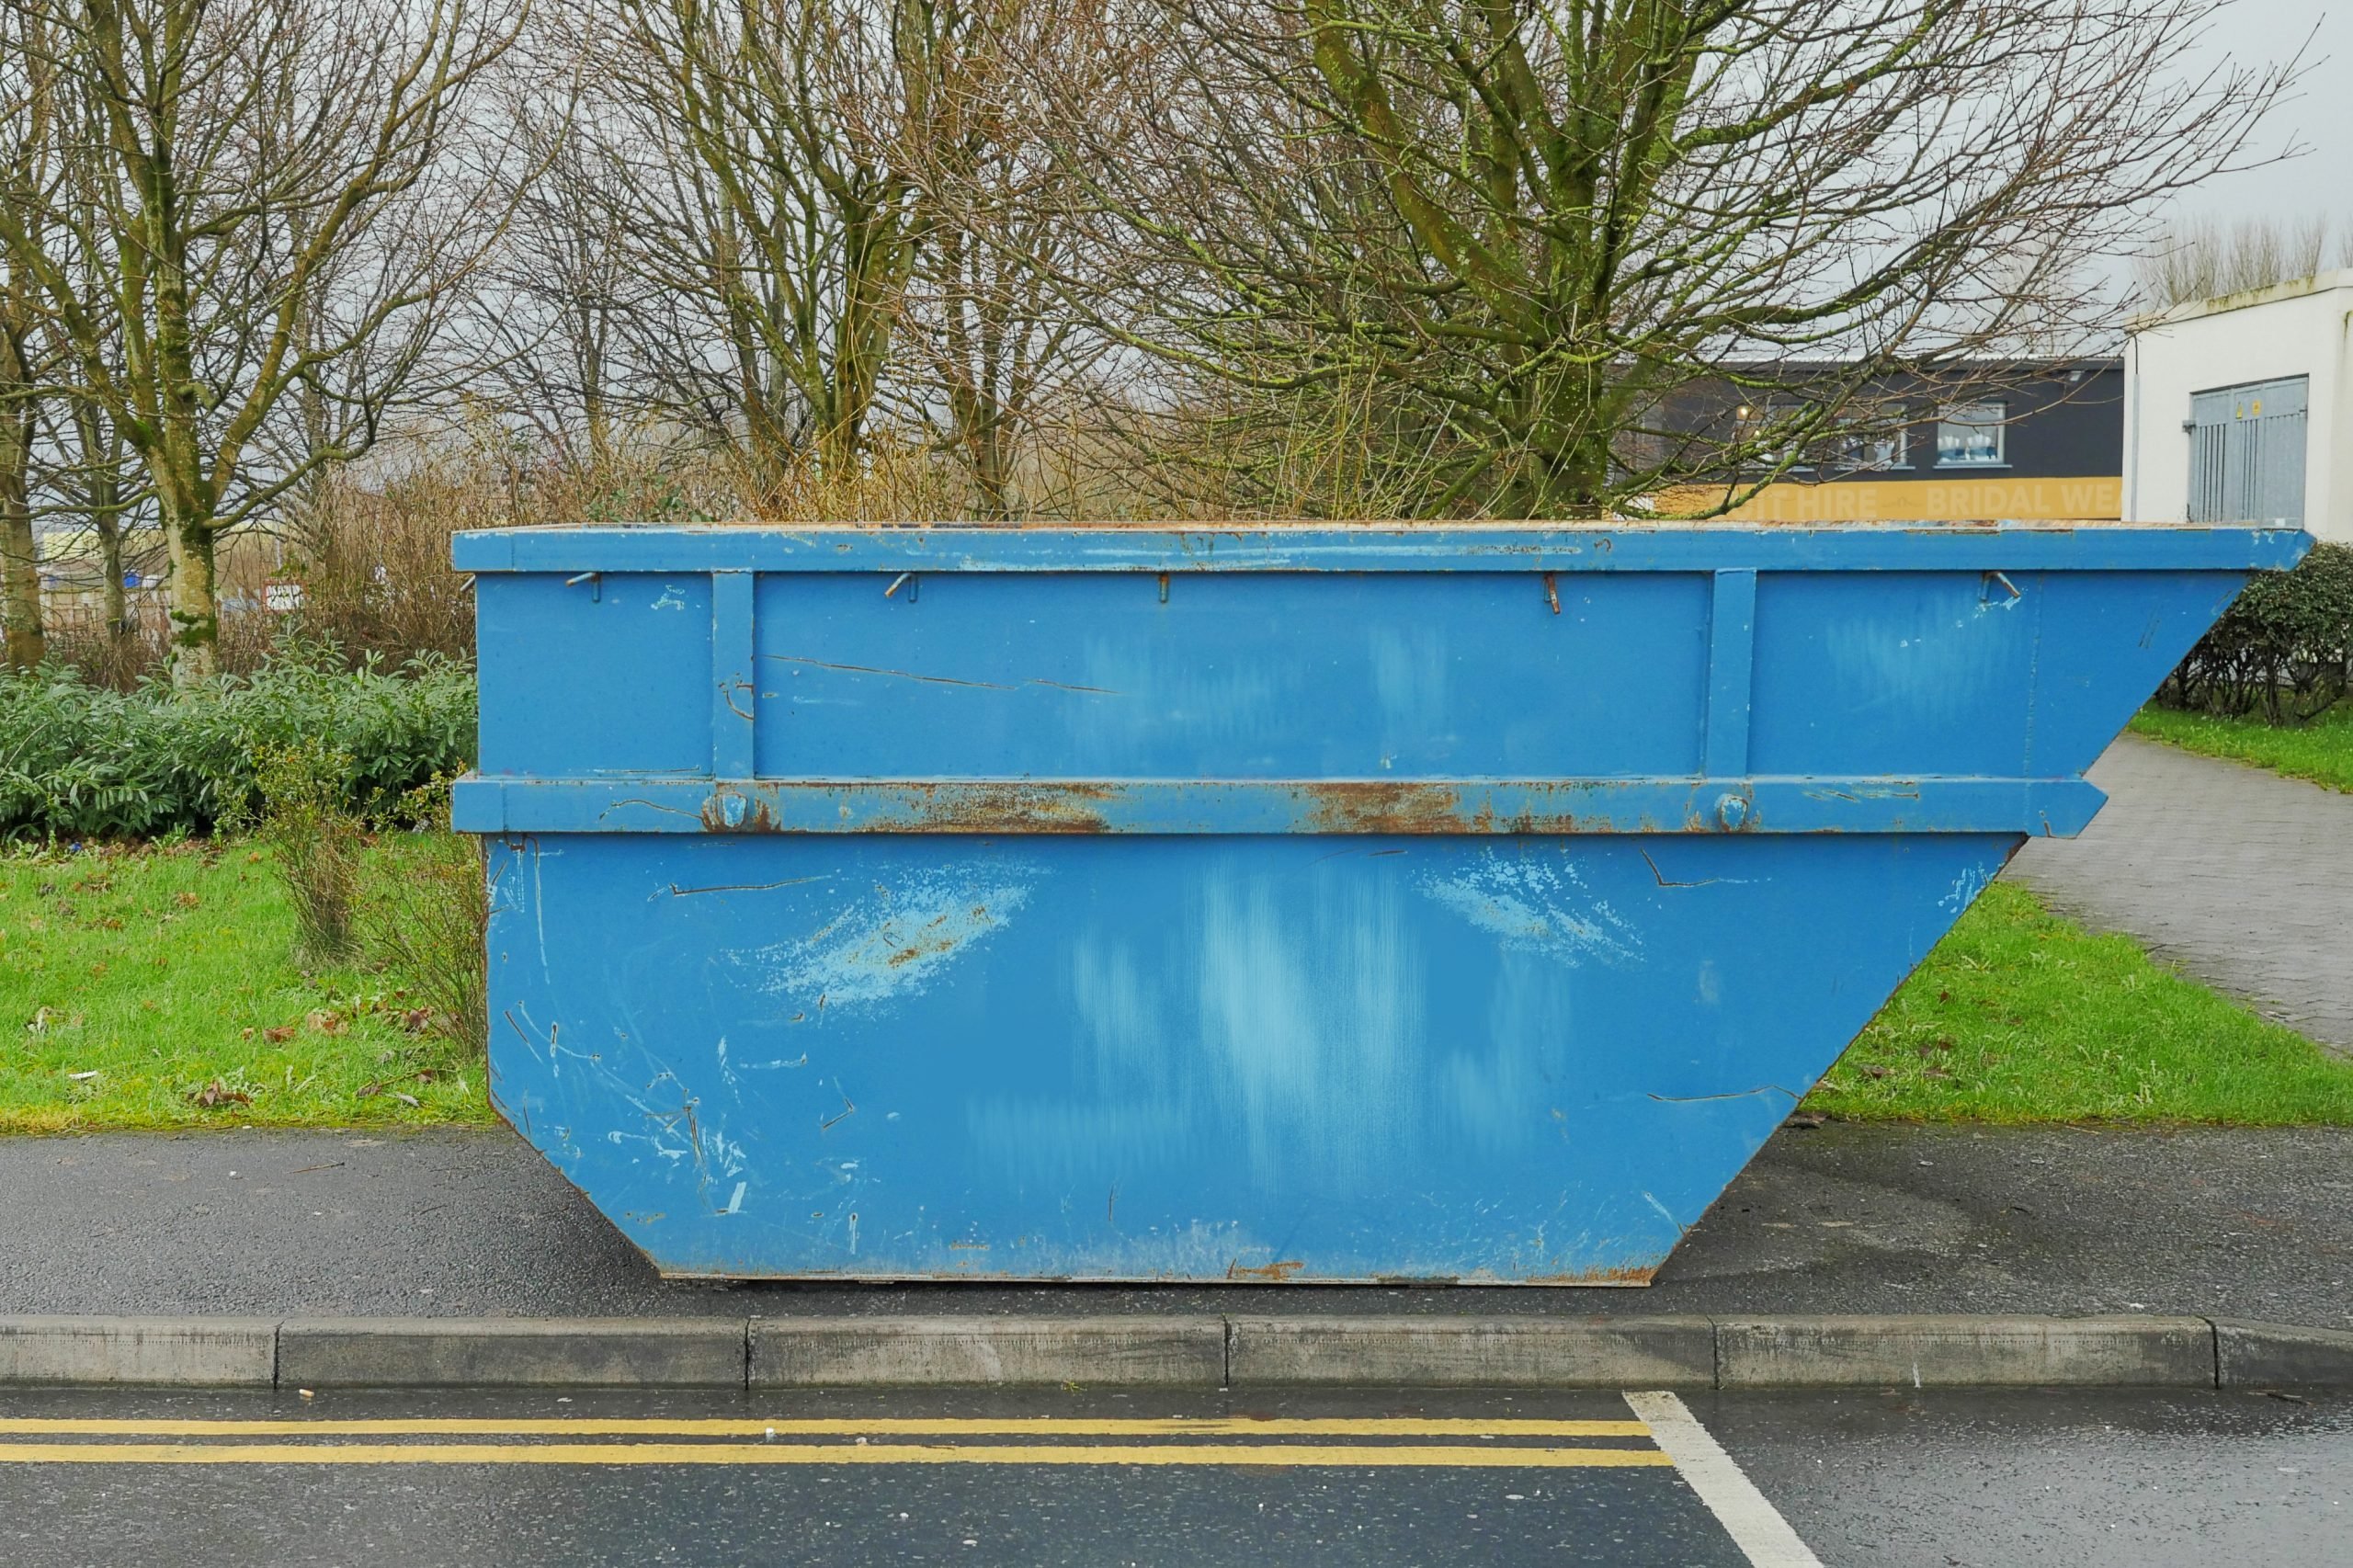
x=2320, y=117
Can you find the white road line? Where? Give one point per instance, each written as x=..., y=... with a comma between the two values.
x=1753, y=1524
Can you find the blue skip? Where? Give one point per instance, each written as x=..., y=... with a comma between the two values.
x=1277, y=902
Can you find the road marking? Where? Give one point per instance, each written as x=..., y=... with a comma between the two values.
x=1753, y=1524
x=1275, y=1455
x=753, y=1426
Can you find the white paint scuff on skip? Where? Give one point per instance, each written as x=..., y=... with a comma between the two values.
x=891, y=942
x=1536, y=902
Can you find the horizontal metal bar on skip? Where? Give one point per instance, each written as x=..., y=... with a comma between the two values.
x=1919, y=547
x=2044, y=807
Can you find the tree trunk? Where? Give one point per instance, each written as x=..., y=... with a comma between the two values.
x=28, y=643
x=193, y=596
x=111, y=561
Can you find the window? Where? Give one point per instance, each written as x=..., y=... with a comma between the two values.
x=1968, y=435
x=1773, y=429
x=1873, y=439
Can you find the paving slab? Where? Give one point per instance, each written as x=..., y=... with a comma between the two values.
x=1841, y=1218
x=2235, y=875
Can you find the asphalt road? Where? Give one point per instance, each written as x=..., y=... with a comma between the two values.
x=2234, y=1222
x=1888, y=1481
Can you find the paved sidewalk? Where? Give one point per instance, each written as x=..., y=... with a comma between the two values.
x=1838, y=1219
x=2238, y=876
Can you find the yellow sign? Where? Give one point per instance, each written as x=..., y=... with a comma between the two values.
x=1909, y=500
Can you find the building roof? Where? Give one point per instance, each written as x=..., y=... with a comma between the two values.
x=2296, y=288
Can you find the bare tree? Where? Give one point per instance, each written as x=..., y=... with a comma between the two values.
x=90, y=480
x=755, y=149
x=30, y=163
x=2200, y=258
x=549, y=323
x=997, y=346
x=265, y=217
x=1530, y=231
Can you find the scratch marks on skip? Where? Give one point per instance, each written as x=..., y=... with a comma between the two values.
x=848, y=1109
x=1730, y=1094
x=1971, y=882
x=677, y=892
x=941, y=680
x=1537, y=904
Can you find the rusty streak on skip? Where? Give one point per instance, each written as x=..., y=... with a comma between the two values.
x=1274, y=1273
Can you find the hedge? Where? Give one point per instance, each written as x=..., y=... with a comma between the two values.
x=79, y=760
x=2283, y=647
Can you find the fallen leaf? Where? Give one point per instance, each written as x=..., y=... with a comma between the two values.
x=280, y=1035
x=246, y=1034
x=186, y=900
x=325, y=1021
x=416, y=1020
x=405, y=1099
x=1874, y=1069
x=369, y=1091
x=217, y=1093
x=425, y=1076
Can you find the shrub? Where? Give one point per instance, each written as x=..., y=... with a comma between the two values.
x=2284, y=646
x=79, y=760
x=315, y=840
x=425, y=917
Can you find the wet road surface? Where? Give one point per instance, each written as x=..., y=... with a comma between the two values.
x=1081, y=1477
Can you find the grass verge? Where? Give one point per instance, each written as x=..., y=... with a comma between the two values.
x=2019, y=1016
x=155, y=988
x=2321, y=751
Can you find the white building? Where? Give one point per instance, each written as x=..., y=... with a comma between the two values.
x=2240, y=409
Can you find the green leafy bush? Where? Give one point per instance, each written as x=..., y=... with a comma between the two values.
x=2284, y=647
x=80, y=761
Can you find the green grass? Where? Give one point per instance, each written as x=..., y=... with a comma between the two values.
x=2321, y=751
x=133, y=981
x=2019, y=1016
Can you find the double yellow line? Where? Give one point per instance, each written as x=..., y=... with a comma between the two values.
x=1172, y=1440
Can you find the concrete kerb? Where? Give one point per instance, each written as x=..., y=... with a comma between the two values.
x=1204, y=1352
